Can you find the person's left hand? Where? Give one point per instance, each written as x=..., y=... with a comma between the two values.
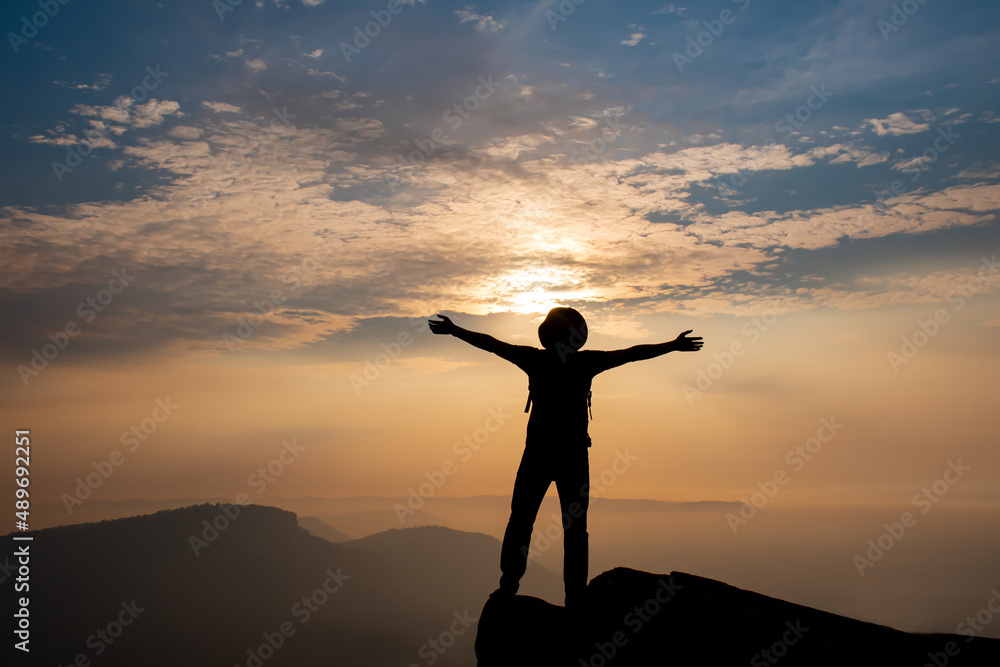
x=445, y=326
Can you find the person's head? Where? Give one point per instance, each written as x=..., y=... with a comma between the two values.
x=563, y=328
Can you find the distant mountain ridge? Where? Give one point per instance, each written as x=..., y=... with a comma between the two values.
x=319, y=528
x=51, y=515
x=218, y=588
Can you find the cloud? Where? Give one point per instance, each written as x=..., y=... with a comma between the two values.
x=501, y=217
x=153, y=112
x=101, y=82
x=256, y=65
x=671, y=9
x=823, y=228
x=634, y=39
x=980, y=173
x=848, y=153
x=702, y=163
x=484, y=23
x=245, y=214
x=865, y=292
x=581, y=123
x=895, y=125
x=119, y=112
x=511, y=148
x=911, y=164
x=363, y=128
x=347, y=105
x=229, y=55
x=221, y=107
x=702, y=138
x=958, y=120
x=105, y=123
x=54, y=139
x=184, y=132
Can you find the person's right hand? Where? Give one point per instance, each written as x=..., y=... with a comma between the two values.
x=685, y=343
x=445, y=326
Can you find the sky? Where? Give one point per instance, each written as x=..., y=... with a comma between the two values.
x=224, y=225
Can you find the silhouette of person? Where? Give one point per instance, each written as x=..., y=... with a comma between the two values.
x=559, y=380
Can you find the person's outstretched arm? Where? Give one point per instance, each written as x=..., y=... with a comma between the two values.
x=483, y=341
x=683, y=343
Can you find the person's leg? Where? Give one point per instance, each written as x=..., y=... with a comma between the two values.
x=573, y=485
x=533, y=479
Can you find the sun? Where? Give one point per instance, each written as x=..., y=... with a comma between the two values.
x=536, y=290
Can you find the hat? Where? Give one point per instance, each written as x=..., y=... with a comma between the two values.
x=563, y=327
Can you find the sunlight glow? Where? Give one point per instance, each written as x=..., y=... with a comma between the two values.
x=536, y=290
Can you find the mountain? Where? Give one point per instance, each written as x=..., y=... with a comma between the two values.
x=636, y=619
x=364, y=515
x=320, y=528
x=377, y=520
x=453, y=568
x=199, y=586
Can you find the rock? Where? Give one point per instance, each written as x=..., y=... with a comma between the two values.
x=640, y=619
